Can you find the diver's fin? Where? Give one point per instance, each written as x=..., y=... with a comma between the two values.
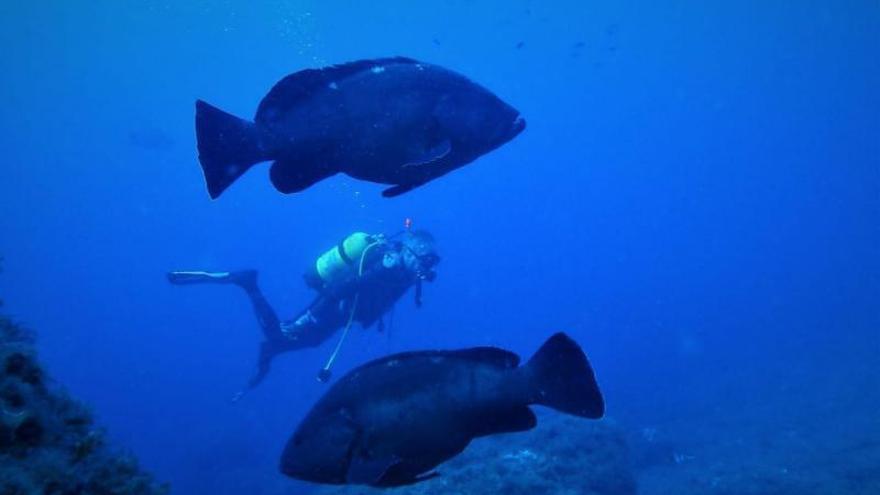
x=561, y=378
x=507, y=421
x=197, y=277
x=432, y=155
x=369, y=471
x=246, y=279
x=399, y=189
x=290, y=176
x=228, y=146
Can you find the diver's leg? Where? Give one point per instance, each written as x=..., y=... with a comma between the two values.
x=268, y=351
x=306, y=331
x=316, y=324
x=247, y=280
x=266, y=316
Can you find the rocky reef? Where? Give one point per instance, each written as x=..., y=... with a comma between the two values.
x=754, y=453
x=563, y=455
x=49, y=443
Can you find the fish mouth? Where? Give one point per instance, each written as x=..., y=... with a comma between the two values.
x=519, y=125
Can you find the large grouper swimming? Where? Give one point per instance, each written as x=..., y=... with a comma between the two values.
x=391, y=421
x=390, y=120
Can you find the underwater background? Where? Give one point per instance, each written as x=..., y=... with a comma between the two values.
x=696, y=201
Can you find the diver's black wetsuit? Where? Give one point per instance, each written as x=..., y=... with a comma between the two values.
x=377, y=289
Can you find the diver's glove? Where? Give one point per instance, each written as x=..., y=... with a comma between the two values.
x=391, y=259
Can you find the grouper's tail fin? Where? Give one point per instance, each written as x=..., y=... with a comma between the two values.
x=561, y=377
x=228, y=146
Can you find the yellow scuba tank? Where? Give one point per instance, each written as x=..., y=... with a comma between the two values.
x=341, y=261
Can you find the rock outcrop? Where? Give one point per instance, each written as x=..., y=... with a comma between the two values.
x=49, y=443
x=563, y=455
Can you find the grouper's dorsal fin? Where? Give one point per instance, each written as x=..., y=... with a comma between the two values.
x=492, y=355
x=301, y=85
x=489, y=355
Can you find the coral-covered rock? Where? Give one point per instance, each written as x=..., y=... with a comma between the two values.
x=48, y=441
x=563, y=455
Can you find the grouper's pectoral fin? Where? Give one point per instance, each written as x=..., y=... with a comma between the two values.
x=364, y=471
x=399, y=189
x=391, y=481
x=430, y=156
x=425, y=165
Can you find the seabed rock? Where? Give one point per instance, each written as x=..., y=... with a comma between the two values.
x=49, y=443
x=563, y=455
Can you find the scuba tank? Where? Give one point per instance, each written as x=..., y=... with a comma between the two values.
x=341, y=261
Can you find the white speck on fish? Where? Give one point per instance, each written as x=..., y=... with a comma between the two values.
x=522, y=455
x=378, y=69
x=333, y=85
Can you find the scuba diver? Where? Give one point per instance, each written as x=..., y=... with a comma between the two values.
x=359, y=280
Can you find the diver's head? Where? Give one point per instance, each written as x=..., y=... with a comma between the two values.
x=419, y=254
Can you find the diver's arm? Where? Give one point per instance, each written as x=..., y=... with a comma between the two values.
x=372, y=277
x=379, y=264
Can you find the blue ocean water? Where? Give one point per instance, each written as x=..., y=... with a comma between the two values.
x=696, y=201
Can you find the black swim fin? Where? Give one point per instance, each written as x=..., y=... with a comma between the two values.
x=228, y=146
x=561, y=377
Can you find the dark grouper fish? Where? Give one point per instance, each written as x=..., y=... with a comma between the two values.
x=392, y=121
x=389, y=422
